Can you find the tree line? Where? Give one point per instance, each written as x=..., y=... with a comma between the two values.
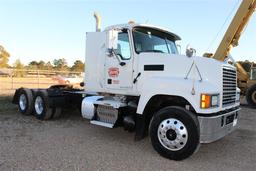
x=55, y=65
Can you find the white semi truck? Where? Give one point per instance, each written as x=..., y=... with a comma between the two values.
x=136, y=78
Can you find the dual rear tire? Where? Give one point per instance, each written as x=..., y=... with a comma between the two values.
x=41, y=106
x=25, y=101
x=37, y=103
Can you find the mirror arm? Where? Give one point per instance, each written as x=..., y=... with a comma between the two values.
x=120, y=62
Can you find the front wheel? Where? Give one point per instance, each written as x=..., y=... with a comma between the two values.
x=174, y=133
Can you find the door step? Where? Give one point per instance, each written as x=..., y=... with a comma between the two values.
x=104, y=124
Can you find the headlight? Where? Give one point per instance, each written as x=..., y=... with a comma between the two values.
x=237, y=96
x=208, y=101
x=215, y=100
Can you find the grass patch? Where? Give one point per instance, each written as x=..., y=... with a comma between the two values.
x=6, y=103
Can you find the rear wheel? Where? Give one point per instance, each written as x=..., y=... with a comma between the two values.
x=174, y=133
x=25, y=102
x=251, y=95
x=41, y=106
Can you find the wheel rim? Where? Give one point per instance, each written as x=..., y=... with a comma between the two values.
x=23, y=102
x=39, y=105
x=172, y=134
x=254, y=96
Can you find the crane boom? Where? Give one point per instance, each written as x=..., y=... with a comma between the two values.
x=235, y=29
x=242, y=74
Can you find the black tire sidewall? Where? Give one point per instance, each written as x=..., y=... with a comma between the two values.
x=249, y=93
x=44, y=115
x=56, y=113
x=191, y=124
x=29, y=98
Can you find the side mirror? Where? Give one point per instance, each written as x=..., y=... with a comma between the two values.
x=112, y=39
x=109, y=52
x=190, y=51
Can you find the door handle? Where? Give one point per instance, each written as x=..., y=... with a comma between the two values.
x=135, y=79
x=122, y=63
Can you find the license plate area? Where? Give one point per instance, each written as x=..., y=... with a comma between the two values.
x=230, y=119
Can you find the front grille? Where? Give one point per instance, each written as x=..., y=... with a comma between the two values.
x=229, y=86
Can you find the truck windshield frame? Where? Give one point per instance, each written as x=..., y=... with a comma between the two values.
x=147, y=40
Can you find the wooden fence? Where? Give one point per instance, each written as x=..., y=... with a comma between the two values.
x=12, y=78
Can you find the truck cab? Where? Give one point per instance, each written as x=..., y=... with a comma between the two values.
x=138, y=67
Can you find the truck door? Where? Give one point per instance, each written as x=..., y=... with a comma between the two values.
x=119, y=65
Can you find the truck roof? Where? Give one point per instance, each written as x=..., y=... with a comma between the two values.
x=132, y=25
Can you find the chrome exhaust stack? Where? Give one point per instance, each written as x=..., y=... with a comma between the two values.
x=98, y=21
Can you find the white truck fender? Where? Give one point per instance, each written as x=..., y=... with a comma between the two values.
x=175, y=86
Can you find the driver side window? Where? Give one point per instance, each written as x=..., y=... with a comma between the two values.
x=123, y=45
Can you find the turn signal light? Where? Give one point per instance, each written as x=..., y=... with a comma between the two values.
x=205, y=101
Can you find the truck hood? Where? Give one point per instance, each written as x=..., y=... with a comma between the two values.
x=194, y=68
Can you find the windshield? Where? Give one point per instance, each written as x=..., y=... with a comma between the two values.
x=151, y=40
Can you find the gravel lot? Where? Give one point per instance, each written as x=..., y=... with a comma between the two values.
x=71, y=143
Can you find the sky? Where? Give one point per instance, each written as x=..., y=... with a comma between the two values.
x=52, y=29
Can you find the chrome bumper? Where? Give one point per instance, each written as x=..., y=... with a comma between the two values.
x=213, y=128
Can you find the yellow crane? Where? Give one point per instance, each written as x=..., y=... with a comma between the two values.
x=230, y=40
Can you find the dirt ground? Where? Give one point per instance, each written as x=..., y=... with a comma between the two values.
x=71, y=143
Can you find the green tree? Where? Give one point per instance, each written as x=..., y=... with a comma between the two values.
x=41, y=65
x=33, y=65
x=78, y=66
x=19, y=68
x=4, y=57
x=37, y=65
x=48, y=66
x=60, y=64
x=18, y=65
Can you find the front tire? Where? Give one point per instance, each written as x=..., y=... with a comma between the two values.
x=174, y=133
